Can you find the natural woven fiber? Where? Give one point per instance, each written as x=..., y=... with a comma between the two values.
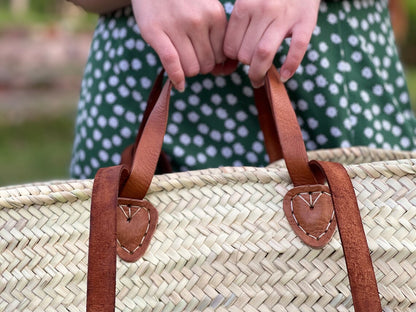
x=222, y=243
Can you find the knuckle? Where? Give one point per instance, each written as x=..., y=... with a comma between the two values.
x=192, y=70
x=265, y=51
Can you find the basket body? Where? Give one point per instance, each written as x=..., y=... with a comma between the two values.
x=222, y=243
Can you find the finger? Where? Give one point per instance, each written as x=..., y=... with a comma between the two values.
x=234, y=34
x=253, y=35
x=217, y=34
x=297, y=49
x=203, y=51
x=169, y=58
x=187, y=54
x=264, y=54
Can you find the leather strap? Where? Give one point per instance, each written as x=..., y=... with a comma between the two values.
x=361, y=275
x=273, y=100
x=149, y=146
x=101, y=277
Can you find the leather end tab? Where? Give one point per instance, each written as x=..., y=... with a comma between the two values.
x=136, y=223
x=310, y=212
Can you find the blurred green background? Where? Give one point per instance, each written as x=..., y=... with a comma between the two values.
x=43, y=49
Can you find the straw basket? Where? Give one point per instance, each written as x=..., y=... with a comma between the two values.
x=225, y=239
x=222, y=241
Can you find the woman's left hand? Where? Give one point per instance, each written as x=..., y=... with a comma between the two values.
x=257, y=28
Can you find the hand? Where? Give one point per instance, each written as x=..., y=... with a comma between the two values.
x=187, y=35
x=257, y=28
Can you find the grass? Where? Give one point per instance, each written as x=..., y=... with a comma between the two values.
x=411, y=81
x=36, y=150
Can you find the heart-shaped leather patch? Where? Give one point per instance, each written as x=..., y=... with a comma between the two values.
x=311, y=214
x=136, y=223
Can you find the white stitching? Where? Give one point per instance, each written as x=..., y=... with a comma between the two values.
x=311, y=205
x=129, y=217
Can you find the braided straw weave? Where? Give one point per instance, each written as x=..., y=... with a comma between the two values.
x=222, y=243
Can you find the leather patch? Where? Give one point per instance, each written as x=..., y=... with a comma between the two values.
x=310, y=212
x=136, y=223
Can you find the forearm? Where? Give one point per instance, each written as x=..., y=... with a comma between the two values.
x=101, y=6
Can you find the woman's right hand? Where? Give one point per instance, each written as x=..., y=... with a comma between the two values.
x=187, y=35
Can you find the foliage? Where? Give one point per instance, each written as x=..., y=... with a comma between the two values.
x=38, y=150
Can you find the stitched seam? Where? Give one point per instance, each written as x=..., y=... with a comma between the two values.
x=130, y=216
x=311, y=204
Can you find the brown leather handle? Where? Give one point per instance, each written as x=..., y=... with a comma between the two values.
x=360, y=269
x=284, y=138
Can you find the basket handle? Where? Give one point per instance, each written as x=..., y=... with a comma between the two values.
x=283, y=137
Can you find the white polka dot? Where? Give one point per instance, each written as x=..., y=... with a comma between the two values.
x=302, y=105
x=258, y=147
x=321, y=139
x=193, y=100
x=241, y=116
x=107, y=143
x=221, y=113
x=345, y=144
x=177, y=117
x=321, y=81
x=227, y=152
x=172, y=129
x=136, y=64
x=220, y=82
x=94, y=163
x=208, y=84
x=216, y=99
x=310, y=145
x=196, y=87
x=123, y=91
x=102, y=121
x=140, y=45
x=97, y=135
x=116, y=140
x=215, y=135
x=231, y=99
x=118, y=110
x=130, y=117
x=125, y=132
x=203, y=128
x=193, y=117
x=251, y=157
x=89, y=144
x=151, y=59
x=116, y=158
x=180, y=105
x=129, y=44
x=102, y=86
x=229, y=137
x=103, y=155
x=178, y=151
x=336, y=132
x=185, y=139
x=211, y=151
x=198, y=140
x=201, y=158
x=242, y=131
x=331, y=112
x=319, y=100
x=313, y=123
x=230, y=124
x=356, y=56
x=110, y=98
x=238, y=149
x=145, y=82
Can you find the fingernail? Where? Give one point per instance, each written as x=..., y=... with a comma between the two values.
x=284, y=75
x=180, y=87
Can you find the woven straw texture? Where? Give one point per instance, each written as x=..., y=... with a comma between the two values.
x=222, y=243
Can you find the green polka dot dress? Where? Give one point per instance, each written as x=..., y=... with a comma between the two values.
x=349, y=90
